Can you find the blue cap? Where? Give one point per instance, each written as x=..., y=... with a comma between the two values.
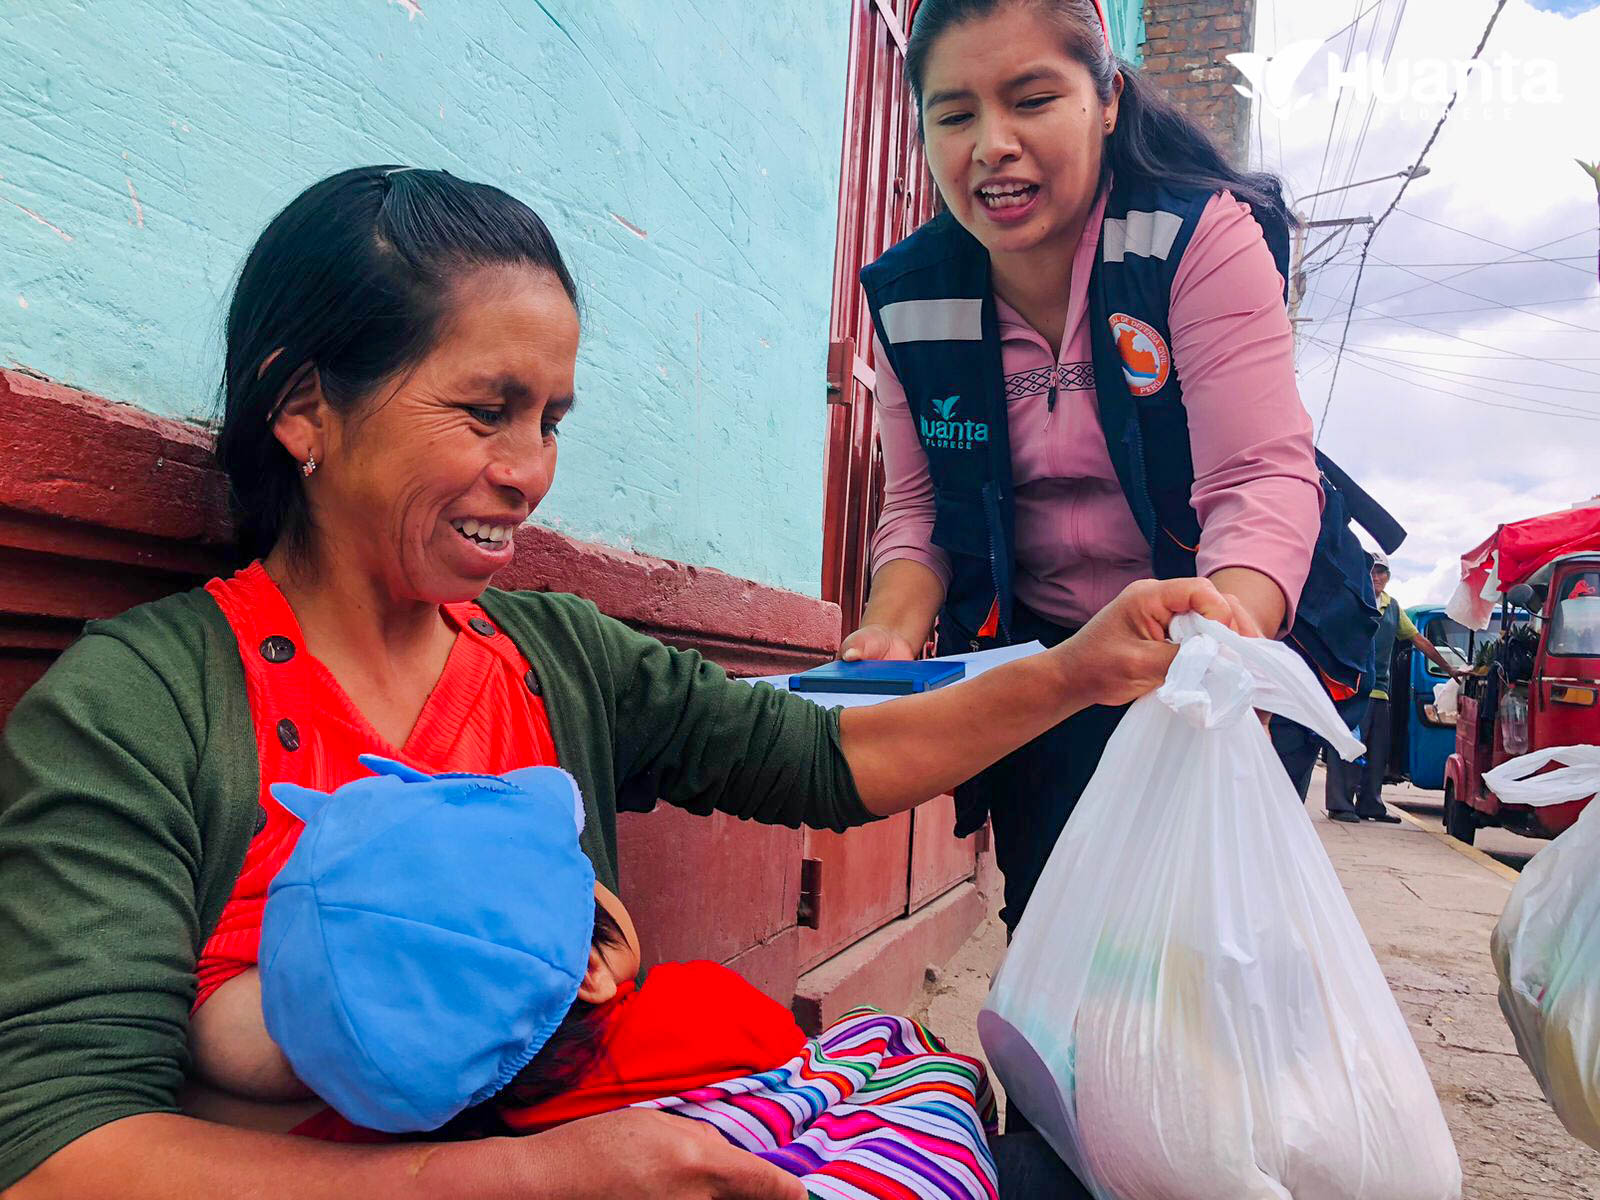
x=425, y=938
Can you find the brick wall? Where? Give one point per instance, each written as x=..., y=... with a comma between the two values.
x=1185, y=52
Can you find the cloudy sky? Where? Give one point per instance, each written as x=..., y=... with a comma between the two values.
x=1455, y=409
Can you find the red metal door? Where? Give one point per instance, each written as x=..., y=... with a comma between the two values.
x=871, y=876
x=884, y=194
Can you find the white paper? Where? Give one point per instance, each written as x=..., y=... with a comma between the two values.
x=977, y=664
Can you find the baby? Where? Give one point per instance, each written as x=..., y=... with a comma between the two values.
x=437, y=957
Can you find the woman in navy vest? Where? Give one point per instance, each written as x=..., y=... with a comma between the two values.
x=1085, y=377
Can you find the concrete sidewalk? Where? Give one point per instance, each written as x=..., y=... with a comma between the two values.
x=1427, y=904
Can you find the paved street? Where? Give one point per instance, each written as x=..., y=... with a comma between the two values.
x=1428, y=807
x=1427, y=908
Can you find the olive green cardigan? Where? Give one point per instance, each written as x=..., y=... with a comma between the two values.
x=129, y=786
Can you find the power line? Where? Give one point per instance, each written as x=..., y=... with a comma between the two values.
x=1456, y=337
x=1366, y=247
x=1327, y=357
x=1338, y=105
x=1372, y=101
x=1344, y=141
x=1471, y=378
x=1472, y=270
x=1278, y=120
x=1478, y=237
x=1342, y=257
x=1418, y=351
x=1527, y=256
x=1344, y=288
x=1307, y=267
x=1354, y=161
x=1450, y=287
x=1541, y=412
x=1444, y=312
x=1497, y=262
x=1360, y=16
x=1469, y=271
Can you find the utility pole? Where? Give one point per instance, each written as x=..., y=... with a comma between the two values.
x=1297, y=269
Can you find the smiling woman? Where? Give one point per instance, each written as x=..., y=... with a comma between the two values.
x=455, y=451
x=383, y=259
x=401, y=351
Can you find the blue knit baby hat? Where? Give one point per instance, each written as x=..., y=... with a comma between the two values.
x=425, y=938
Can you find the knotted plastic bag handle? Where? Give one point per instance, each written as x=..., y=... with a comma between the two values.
x=1579, y=780
x=1220, y=675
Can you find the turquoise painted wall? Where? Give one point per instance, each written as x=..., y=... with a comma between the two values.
x=1126, y=19
x=686, y=155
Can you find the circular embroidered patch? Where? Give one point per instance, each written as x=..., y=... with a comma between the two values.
x=1146, y=361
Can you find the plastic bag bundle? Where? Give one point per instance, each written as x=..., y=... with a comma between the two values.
x=1546, y=945
x=1447, y=700
x=1189, y=1010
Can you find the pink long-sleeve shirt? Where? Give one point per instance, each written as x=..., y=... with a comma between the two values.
x=1256, y=488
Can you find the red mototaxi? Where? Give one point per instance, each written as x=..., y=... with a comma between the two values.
x=1538, y=686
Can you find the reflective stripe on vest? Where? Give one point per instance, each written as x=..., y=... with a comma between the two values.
x=933, y=321
x=1146, y=234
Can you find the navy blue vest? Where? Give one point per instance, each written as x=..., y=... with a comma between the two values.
x=933, y=309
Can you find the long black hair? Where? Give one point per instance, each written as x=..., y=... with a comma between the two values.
x=1153, y=140
x=559, y=1065
x=351, y=280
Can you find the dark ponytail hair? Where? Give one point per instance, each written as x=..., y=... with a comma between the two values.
x=351, y=280
x=1153, y=142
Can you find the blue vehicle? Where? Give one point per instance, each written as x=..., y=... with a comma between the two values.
x=1421, y=740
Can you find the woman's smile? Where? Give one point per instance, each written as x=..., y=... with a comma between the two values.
x=426, y=487
x=483, y=543
x=1007, y=199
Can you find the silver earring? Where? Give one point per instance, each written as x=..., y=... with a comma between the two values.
x=309, y=467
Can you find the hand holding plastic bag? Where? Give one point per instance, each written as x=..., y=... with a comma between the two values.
x=1189, y=1010
x=1546, y=946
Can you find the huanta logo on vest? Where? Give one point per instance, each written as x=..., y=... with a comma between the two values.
x=946, y=433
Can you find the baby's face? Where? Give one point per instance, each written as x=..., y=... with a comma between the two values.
x=621, y=961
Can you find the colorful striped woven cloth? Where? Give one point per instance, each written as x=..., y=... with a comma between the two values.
x=874, y=1108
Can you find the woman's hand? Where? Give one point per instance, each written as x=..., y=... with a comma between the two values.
x=156, y=1156
x=1123, y=651
x=636, y=1152
x=910, y=749
x=905, y=598
x=874, y=642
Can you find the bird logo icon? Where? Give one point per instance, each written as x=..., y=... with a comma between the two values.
x=1272, y=77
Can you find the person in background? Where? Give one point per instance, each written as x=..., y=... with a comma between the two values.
x=1362, y=780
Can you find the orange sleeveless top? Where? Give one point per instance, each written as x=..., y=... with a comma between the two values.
x=485, y=715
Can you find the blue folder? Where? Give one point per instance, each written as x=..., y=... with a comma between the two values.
x=879, y=678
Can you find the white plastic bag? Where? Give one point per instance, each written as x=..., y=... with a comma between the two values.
x=1447, y=700
x=1189, y=1010
x=1546, y=946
